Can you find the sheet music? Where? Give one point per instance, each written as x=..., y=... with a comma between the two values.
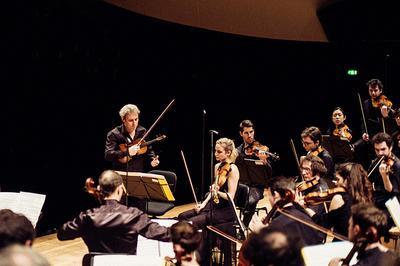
x=318, y=255
x=121, y=260
x=9, y=200
x=155, y=248
x=393, y=206
x=26, y=203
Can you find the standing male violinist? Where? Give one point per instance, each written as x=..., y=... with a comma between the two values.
x=385, y=177
x=254, y=170
x=311, y=138
x=126, y=134
x=376, y=111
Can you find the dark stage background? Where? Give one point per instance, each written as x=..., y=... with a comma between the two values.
x=70, y=66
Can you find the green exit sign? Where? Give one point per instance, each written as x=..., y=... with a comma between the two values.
x=352, y=72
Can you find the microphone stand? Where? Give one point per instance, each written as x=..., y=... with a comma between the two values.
x=203, y=154
x=212, y=132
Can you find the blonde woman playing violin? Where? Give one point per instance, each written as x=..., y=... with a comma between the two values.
x=215, y=209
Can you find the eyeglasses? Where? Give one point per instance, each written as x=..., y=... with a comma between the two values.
x=305, y=169
x=307, y=143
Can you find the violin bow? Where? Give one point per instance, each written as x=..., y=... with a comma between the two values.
x=241, y=225
x=188, y=175
x=313, y=225
x=373, y=169
x=155, y=122
x=221, y=233
x=362, y=113
x=296, y=157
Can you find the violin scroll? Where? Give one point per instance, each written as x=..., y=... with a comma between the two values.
x=92, y=189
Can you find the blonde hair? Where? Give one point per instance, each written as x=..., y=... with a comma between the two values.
x=127, y=109
x=229, y=146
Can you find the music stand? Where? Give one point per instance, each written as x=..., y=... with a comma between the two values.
x=146, y=186
x=340, y=149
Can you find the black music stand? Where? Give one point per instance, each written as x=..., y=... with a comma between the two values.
x=147, y=186
x=340, y=149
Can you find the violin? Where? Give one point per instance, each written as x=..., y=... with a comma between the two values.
x=360, y=244
x=92, y=189
x=288, y=197
x=389, y=161
x=261, y=151
x=317, y=151
x=314, y=198
x=343, y=132
x=143, y=147
x=220, y=179
x=380, y=101
x=304, y=186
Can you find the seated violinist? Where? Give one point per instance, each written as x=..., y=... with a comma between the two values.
x=312, y=170
x=281, y=194
x=311, y=138
x=216, y=209
x=352, y=186
x=366, y=226
x=251, y=174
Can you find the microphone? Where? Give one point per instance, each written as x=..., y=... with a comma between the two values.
x=213, y=132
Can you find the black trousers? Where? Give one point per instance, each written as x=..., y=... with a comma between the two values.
x=255, y=195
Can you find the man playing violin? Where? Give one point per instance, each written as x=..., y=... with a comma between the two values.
x=384, y=172
x=278, y=191
x=311, y=138
x=125, y=134
x=376, y=111
x=254, y=170
x=366, y=225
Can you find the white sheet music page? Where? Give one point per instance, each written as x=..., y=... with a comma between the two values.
x=149, y=247
x=9, y=200
x=393, y=206
x=30, y=205
x=122, y=260
x=318, y=255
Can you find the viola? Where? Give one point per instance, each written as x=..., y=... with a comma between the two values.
x=304, y=186
x=220, y=179
x=314, y=198
x=143, y=147
x=92, y=189
x=261, y=151
x=343, y=132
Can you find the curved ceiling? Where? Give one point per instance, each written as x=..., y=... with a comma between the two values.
x=275, y=19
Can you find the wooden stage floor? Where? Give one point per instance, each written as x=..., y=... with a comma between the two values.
x=71, y=252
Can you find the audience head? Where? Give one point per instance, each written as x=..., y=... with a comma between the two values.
x=185, y=239
x=271, y=247
x=18, y=255
x=109, y=182
x=366, y=221
x=15, y=229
